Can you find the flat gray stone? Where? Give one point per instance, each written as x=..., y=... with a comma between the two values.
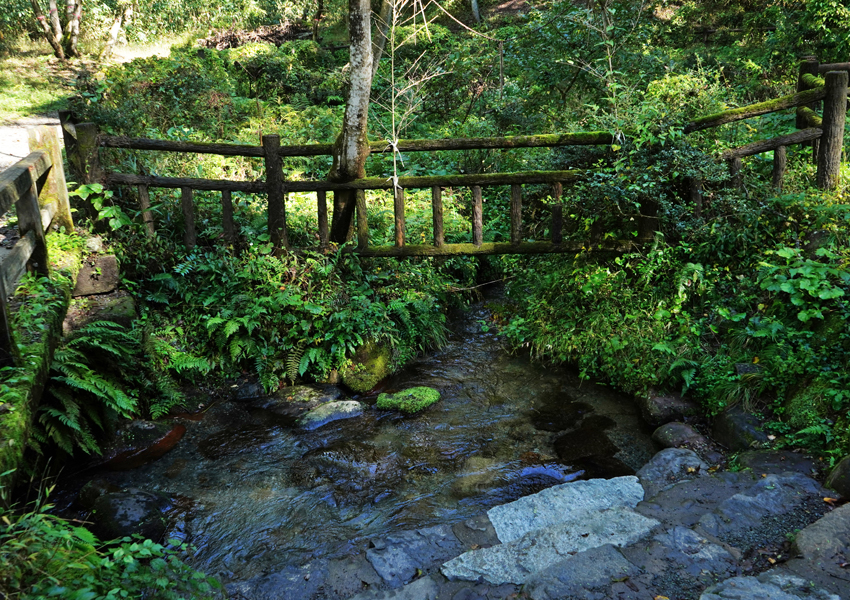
x=773, y=585
x=290, y=582
x=398, y=557
x=826, y=538
x=421, y=589
x=572, y=578
x=556, y=505
x=516, y=561
x=777, y=461
x=97, y=276
x=669, y=467
x=332, y=411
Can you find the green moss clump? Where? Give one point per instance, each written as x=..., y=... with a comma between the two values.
x=370, y=364
x=411, y=400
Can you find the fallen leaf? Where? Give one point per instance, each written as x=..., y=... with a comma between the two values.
x=830, y=500
x=764, y=474
x=771, y=560
x=661, y=598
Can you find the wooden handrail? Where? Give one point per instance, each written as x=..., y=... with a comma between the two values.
x=798, y=137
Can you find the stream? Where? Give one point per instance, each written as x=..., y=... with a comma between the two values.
x=253, y=493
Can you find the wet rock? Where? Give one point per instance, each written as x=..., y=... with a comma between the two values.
x=299, y=398
x=398, y=557
x=140, y=442
x=773, y=585
x=828, y=539
x=370, y=364
x=658, y=408
x=677, y=435
x=93, y=490
x=777, y=461
x=669, y=467
x=332, y=411
x=410, y=401
x=576, y=577
x=98, y=275
x=421, y=589
x=350, y=576
x=559, y=417
x=839, y=478
x=516, y=561
x=247, y=389
x=738, y=430
x=602, y=467
x=349, y=466
x=477, y=532
x=589, y=440
x=121, y=514
x=556, y=504
x=291, y=582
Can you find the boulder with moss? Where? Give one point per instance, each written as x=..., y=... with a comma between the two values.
x=371, y=363
x=410, y=400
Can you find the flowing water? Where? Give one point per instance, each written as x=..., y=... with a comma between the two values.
x=255, y=494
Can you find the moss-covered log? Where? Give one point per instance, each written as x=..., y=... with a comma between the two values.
x=251, y=187
x=755, y=110
x=618, y=247
x=808, y=118
x=798, y=137
x=811, y=81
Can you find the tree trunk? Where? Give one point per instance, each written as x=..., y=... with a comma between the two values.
x=118, y=24
x=46, y=29
x=352, y=146
x=476, y=14
x=320, y=9
x=72, y=28
x=383, y=27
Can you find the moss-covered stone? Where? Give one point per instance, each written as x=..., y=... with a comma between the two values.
x=371, y=363
x=807, y=406
x=410, y=400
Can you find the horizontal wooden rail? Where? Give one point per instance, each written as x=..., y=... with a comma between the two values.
x=618, y=247
x=755, y=110
x=16, y=181
x=599, y=138
x=845, y=66
x=368, y=183
x=809, y=117
x=811, y=81
x=798, y=137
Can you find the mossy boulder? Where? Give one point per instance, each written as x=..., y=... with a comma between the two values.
x=410, y=400
x=371, y=363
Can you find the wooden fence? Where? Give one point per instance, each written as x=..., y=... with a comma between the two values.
x=35, y=187
x=826, y=132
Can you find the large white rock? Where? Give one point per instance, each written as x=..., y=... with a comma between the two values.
x=516, y=561
x=556, y=505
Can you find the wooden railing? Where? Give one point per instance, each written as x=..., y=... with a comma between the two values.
x=83, y=142
x=35, y=187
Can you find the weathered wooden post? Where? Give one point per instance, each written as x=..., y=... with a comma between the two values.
x=398, y=211
x=647, y=221
x=362, y=220
x=477, y=216
x=322, y=205
x=516, y=214
x=87, y=154
x=832, y=140
x=227, y=225
x=187, y=204
x=809, y=66
x=557, y=213
x=275, y=192
x=437, y=210
x=145, y=206
x=55, y=189
x=780, y=161
x=695, y=195
x=735, y=176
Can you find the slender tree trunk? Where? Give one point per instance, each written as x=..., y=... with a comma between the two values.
x=383, y=26
x=320, y=9
x=352, y=146
x=46, y=29
x=476, y=13
x=73, y=27
x=118, y=24
x=55, y=21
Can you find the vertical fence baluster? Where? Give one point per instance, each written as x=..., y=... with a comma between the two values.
x=832, y=140
x=145, y=206
x=362, y=220
x=187, y=204
x=398, y=209
x=516, y=214
x=780, y=160
x=324, y=232
x=275, y=191
x=437, y=209
x=477, y=216
x=227, y=218
x=557, y=213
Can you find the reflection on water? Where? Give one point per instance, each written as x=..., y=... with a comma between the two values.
x=258, y=494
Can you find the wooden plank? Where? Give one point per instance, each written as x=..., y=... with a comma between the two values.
x=798, y=137
x=780, y=160
x=516, y=214
x=207, y=185
x=362, y=219
x=15, y=263
x=29, y=220
x=275, y=192
x=145, y=206
x=755, y=110
x=119, y=141
x=368, y=183
x=17, y=179
x=437, y=210
x=477, y=217
x=398, y=212
x=324, y=231
x=190, y=238
x=227, y=224
x=832, y=141
x=618, y=247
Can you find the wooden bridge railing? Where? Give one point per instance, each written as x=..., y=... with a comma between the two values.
x=35, y=187
x=826, y=133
